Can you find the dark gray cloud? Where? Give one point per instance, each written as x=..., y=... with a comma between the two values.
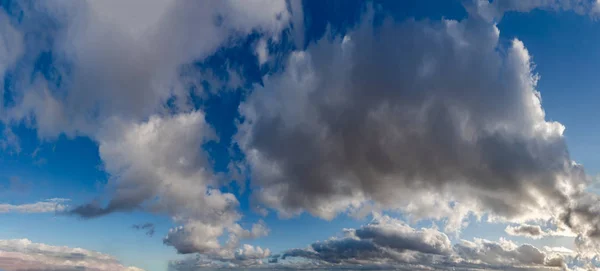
x=401, y=248
x=438, y=119
x=385, y=240
x=531, y=231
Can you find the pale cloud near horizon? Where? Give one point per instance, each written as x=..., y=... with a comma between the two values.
x=23, y=254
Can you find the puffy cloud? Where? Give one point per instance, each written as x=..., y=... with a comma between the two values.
x=503, y=253
x=55, y=205
x=247, y=256
x=159, y=158
x=396, y=245
x=383, y=240
x=22, y=254
x=536, y=231
x=100, y=70
x=81, y=72
x=434, y=118
x=388, y=232
x=160, y=166
x=532, y=231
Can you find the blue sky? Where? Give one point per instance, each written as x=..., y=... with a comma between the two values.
x=299, y=134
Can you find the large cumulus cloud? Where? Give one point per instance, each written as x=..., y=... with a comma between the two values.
x=107, y=59
x=438, y=119
x=112, y=71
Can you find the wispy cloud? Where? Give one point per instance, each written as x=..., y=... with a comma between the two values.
x=47, y=206
x=148, y=227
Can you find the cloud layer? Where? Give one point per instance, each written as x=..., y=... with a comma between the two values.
x=439, y=119
x=22, y=254
x=390, y=244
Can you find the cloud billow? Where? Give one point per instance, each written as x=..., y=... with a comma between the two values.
x=392, y=244
x=113, y=72
x=406, y=111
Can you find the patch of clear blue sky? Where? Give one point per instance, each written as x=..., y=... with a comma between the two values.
x=563, y=45
x=565, y=50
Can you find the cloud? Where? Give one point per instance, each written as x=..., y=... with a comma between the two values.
x=438, y=119
x=11, y=48
x=9, y=142
x=495, y=10
x=393, y=244
x=104, y=71
x=503, y=253
x=160, y=166
x=531, y=231
x=114, y=73
x=55, y=205
x=536, y=231
x=22, y=254
x=384, y=240
x=148, y=227
x=247, y=257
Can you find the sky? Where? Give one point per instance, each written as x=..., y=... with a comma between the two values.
x=165, y=135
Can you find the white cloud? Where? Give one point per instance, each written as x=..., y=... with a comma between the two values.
x=22, y=254
x=47, y=206
x=160, y=166
x=495, y=10
x=109, y=71
x=114, y=67
x=262, y=51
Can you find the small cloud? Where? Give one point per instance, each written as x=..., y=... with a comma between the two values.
x=148, y=227
x=53, y=205
x=9, y=142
